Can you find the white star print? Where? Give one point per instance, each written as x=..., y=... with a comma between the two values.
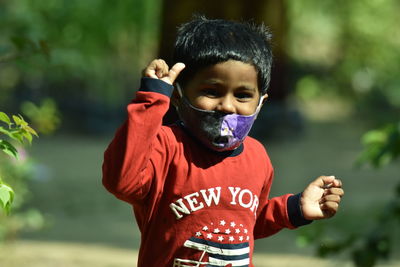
x=237, y=230
x=216, y=230
x=205, y=228
x=233, y=224
x=227, y=231
x=198, y=233
x=245, y=231
x=220, y=238
x=247, y=238
x=209, y=236
x=222, y=223
x=240, y=238
x=231, y=238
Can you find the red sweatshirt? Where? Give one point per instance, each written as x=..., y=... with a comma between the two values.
x=193, y=206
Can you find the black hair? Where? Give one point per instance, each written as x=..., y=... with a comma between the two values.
x=202, y=42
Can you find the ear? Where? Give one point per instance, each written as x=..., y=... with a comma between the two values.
x=265, y=97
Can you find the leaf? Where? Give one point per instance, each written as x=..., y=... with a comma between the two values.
x=17, y=135
x=8, y=148
x=27, y=135
x=374, y=136
x=6, y=132
x=17, y=120
x=31, y=130
x=6, y=197
x=4, y=117
x=23, y=122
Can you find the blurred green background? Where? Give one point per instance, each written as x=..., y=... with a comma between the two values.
x=335, y=77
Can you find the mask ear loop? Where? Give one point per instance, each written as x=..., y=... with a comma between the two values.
x=180, y=93
x=260, y=103
x=179, y=89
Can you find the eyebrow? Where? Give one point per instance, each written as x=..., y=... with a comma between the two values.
x=247, y=88
x=211, y=81
x=218, y=82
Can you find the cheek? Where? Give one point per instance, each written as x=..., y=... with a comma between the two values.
x=248, y=108
x=203, y=103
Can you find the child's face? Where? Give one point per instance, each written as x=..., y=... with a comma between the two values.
x=229, y=87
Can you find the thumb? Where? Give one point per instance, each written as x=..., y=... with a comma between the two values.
x=174, y=72
x=324, y=181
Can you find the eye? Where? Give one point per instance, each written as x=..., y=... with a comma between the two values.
x=210, y=92
x=244, y=96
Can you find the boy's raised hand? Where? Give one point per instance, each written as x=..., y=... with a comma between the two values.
x=321, y=198
x=158, y=69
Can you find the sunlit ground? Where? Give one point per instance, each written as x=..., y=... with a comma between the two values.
x=86, y=226
x=61, y=254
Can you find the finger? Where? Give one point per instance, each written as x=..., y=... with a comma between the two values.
x=328, y=213
x=337, y=183
x=158, y=65
x=156, y=69
x=334, y=191
x=331, y=198
x=330, y=205
x=174, y=71
x=149, y=72
x=162, y=68
x=151, y=69
x=324, y=181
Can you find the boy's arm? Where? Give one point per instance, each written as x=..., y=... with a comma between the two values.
x=319, y=200
x=127, y=167
x=277, y=213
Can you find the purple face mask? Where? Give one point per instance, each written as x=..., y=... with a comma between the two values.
x=218, y=131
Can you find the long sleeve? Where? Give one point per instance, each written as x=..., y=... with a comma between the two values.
x=140, y=146
x=280, y=212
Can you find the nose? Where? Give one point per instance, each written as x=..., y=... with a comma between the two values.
x=226, y=105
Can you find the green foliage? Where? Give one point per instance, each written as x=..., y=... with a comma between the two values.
x=16, y=129
x=348, y=49
x=45, y=117
x=25, y=59
x=18, y=173
x=17, y=168
x=346, y=52
x=6, y=196
x=25, y=47
x=75, y=50
x=366, y=248
x=381, y=145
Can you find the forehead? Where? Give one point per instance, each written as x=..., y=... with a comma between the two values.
x=230, y=73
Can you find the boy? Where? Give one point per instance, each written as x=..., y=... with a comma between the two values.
x=199, y=188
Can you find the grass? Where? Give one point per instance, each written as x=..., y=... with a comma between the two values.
x=67, y=189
